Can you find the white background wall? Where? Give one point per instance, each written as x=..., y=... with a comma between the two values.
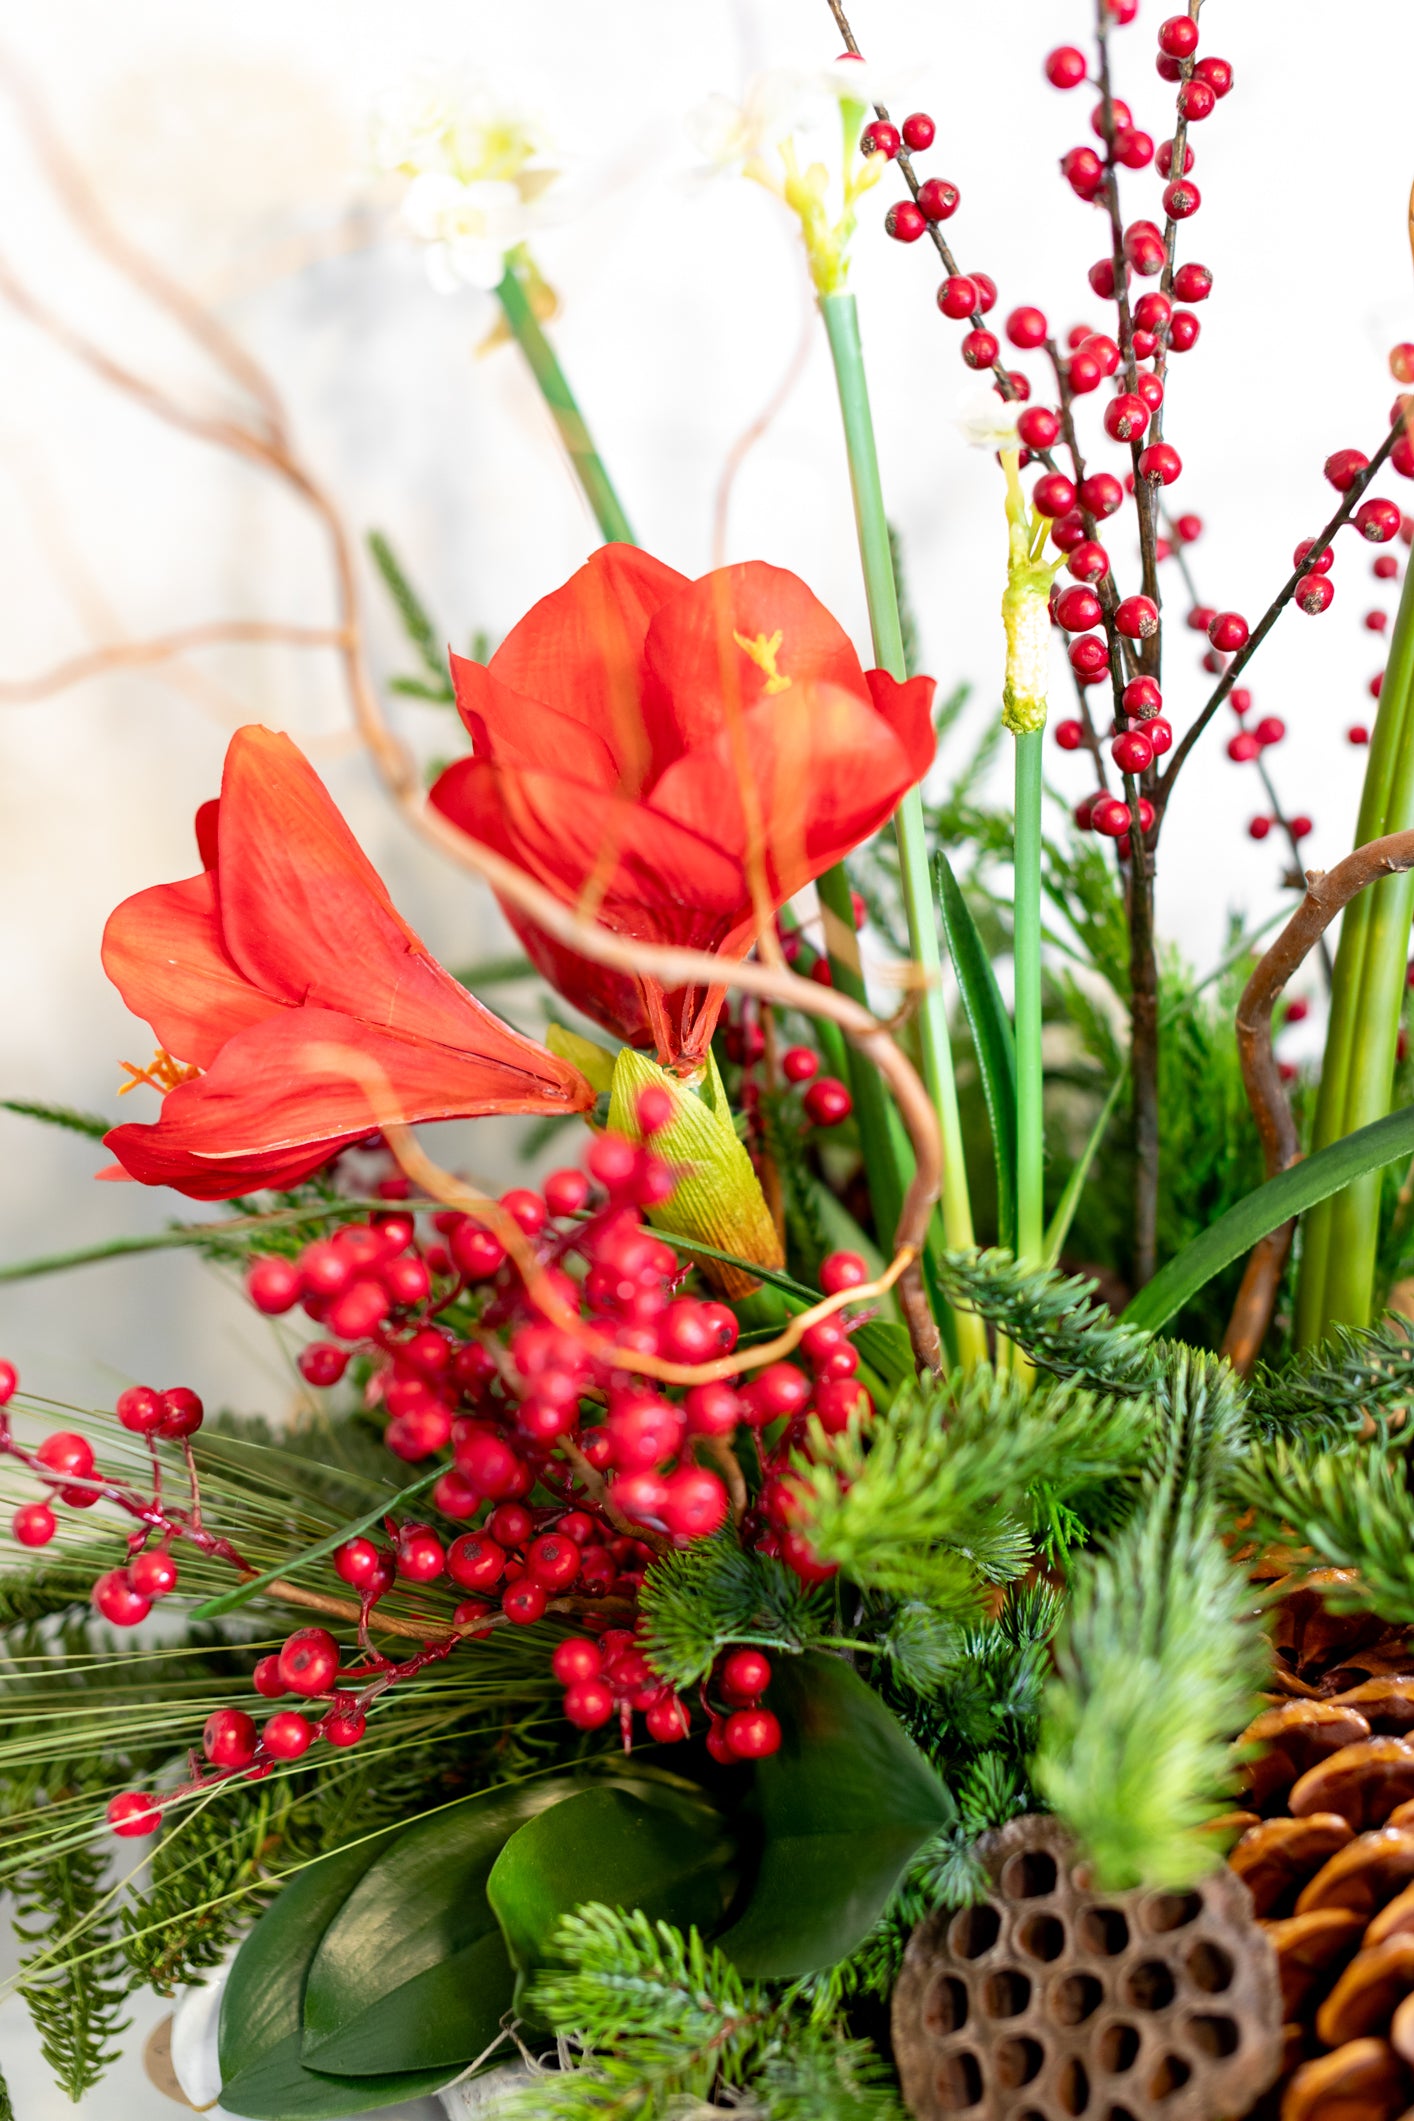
x=230, y=141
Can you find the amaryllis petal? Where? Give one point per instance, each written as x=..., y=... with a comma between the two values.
x=700, y=672
x=305, y=915
x=163, y=951
x=581, y=649
x=822, y=773
x=311, y=1080
x=511, y=729
x=907, y=707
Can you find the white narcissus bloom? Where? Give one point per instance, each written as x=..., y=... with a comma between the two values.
x=733, y=136
x=467, y=228
x=986, y=421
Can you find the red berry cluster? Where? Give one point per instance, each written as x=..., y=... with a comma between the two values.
x=527, y=1362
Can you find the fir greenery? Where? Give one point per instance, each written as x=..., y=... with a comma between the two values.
x=1361, y=1378
x=1350, y=1504
x=665, y=2024
x=1056, y=1318
x=77, y=2010
x=697, y=1601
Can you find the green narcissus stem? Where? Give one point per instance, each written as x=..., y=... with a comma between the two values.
x=588, y=467
x=1340, y=1236
x=1030, y=1130
x=842, y=328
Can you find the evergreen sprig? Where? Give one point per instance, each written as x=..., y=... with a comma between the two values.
x=91, y=1124
x=1357, y=1379
x=665, y=2024
x=1054, y=1317
x=1158, y=1664
x=933, y=1499
x=77, y=2010
x=416, y=624
x=1351, y=1506
x=714, y=1593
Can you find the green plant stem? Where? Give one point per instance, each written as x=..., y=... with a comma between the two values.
x=1341, y=1236
x=585, y=460
x=842, y=329
x=1030, y=1132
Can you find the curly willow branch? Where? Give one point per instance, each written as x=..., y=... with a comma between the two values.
x=267, y=443
x=1328, y=892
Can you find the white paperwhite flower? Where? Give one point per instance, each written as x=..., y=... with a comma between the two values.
x=852, y=80
x=732, y=135
x=456, y=123
x=986, y=421
x=467, y=228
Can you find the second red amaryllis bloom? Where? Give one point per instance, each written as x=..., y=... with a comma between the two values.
x=639, y=738
x=284, y=974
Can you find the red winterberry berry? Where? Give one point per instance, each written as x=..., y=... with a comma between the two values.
x=905, y=222
x=153, y=1573
x=753, y=1734
x=66, y=1452
x=1038, y=427
x=553, y=1561
x=1193, y=283
x=1196, y=100
x=133, y=1813
x=1182, y=198
x=1300, y=828
x=1083, y=171
x=34, y=1524
x=1243, y=747
x=1378, y=521
x=1108, y=815
x=524, y=1601
x=919, y=131
x=1132, y=751
x=1160, y=461
x=1065, y=67
x=1126, y=417
x=566, y=1192
x=1077, y=609
x=1160, y=735
x=1217, y=73
x=1100, y=494
x=343, y=1727
x=827, y=1102
x=696, y=1503
x=308, y=1663
x=476, y=1253
x=1178, y=37
x=588, y=1703
x=880, y=138
x=1069, y=735
x=937, y=199
x=274, y=1285
x=1344, y=466
x=1137, y=618
x=1228, y=631
x=117, y=1599
x=1026, y=327
x=229, y=1739
x=1089, y=655
x=980, y=349
x=182, y=1413
x=1357, y=733
x=266, y=1679
x=1054, y=495
x=287, y=1735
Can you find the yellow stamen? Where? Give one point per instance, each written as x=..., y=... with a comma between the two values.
x=763, y=652
x=162, y=1073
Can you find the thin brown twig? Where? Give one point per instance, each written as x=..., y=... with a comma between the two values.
x=161, y=648
x=1328, y=892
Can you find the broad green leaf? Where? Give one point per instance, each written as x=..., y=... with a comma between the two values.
x=844, y=1805
x=412, y=1972
x=1384, y=1141
x=259, y=2040
x=659, y=1847
x=991, y=1037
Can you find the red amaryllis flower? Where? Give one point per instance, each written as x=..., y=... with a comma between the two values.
x=639, y=739
x=311, y=1009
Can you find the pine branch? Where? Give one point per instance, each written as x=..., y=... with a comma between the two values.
x=1054, y=1317
x=1159, y=1663
x=1358, y=1379
x=824, y=2076
x=701, y=1599
x=43, y=1589
x=76, y=2009
x=415, y=621
x=933, y=1499
x=202, y=1882
x=90, y=1123
x=1351, y=1505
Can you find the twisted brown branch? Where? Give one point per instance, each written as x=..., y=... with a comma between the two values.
x=1328, y=892
x=161, y=648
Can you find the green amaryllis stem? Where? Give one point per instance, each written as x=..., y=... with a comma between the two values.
x=1340, y=1236
x=585, y=460
x=842, y=328
x=1030, y=1133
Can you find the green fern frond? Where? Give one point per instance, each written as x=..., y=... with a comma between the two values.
x=77, y=2010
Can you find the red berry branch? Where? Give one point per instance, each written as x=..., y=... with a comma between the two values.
x=569, y=1469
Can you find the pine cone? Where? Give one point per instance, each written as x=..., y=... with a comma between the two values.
x=1320, y=1653
x=1328, y=1857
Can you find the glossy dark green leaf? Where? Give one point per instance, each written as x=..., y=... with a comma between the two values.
x=844, y=1805
x=412, y=1972
x=991, y=1036
x=658, y=1846
x=259, y=2041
